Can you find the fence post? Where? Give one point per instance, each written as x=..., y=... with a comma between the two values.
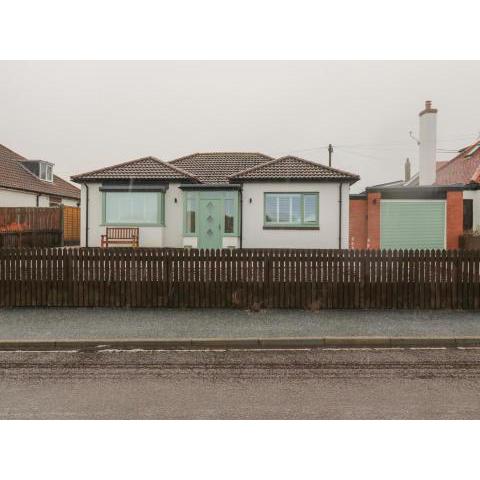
x=62, y=225
x=168, y=283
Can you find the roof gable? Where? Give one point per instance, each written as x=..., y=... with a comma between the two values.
x=146, y=168
x=15, y=176
x=290, y=167
x=217, y=167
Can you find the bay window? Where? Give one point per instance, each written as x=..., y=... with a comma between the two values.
x=133, y=208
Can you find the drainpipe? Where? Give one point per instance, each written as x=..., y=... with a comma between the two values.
x=339, y=215
x=38, y=199
x=241, y=217
x=86, y=216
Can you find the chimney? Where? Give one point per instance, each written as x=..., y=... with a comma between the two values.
x=408, y=170
x=427, y=151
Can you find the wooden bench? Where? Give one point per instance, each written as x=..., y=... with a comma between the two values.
x=122, y=235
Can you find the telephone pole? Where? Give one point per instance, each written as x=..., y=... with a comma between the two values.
x=330, y=151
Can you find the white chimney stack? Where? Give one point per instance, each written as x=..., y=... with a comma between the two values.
x=428, y=145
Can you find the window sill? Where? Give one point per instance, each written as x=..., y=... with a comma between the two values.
x=291, y=227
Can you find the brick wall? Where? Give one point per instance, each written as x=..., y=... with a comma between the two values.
x=454, y=218
x=358, y=223
x=365, y=221
x=373, y=212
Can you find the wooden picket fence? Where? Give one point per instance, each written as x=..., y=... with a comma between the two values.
x=305, y=279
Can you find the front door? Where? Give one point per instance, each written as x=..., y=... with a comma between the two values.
x=210, y=228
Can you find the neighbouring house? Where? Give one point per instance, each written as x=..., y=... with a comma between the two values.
x=431, y=209
x=219, y=200
x=32, y=183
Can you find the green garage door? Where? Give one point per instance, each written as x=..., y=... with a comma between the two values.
x=412, y=224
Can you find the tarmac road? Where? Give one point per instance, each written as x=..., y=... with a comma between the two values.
x=278, y=384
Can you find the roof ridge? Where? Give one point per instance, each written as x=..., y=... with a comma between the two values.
x=328, y=167
x=174, y=167
x=272, y=162
x=99, y=170
x=255, y=167
x=219, y=153
x=131, y=162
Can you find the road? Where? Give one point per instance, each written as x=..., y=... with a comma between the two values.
x=280, y=384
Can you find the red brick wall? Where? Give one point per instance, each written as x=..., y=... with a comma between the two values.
x=373, y=212
x=454, y=218
x=358, y=223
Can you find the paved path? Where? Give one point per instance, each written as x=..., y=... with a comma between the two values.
x=345, y=384
x=58, y=323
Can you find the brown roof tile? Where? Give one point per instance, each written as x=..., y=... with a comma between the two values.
x=291, y=167
x=14, y=175
x=146, y=168
x=462, y=169
x=217, y=167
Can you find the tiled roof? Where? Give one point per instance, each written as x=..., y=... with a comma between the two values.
x=217, y=167
x=463, y=169
x=14, y=175
x=147, y=168
x=291, y=167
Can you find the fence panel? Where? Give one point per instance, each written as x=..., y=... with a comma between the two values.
x=247, y=278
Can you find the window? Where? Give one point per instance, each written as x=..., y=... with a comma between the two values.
x=291, y=209
x=133, y=208
x=310, y=208
x=229, y=208
x=191, y=213
x=45, y=171
x=473, y=151
x=467, y=214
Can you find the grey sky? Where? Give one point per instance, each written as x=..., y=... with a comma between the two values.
x=86, y=115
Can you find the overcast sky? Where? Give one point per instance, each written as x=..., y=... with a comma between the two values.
x=87, y=115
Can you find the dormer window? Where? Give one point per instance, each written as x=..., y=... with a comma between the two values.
x=43, y=170
x=473, y=151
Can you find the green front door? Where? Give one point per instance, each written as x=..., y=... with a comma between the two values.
x=412, y=224
x=210, y=228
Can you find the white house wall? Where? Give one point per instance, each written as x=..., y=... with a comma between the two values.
x=68, y=202
x=173, y=236
x=169, y=236
x=17, y=198
x=254, y=236
x=475, y=196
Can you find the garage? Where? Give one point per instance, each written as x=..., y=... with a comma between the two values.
x=412, y=224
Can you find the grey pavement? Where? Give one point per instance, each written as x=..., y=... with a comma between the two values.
x=83, y=323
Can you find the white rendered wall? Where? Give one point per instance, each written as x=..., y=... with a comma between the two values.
x=16, y=198
x=475, y=196
x=173, y=235
x=70, y=202
x=254, y=236
x=149, y=236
